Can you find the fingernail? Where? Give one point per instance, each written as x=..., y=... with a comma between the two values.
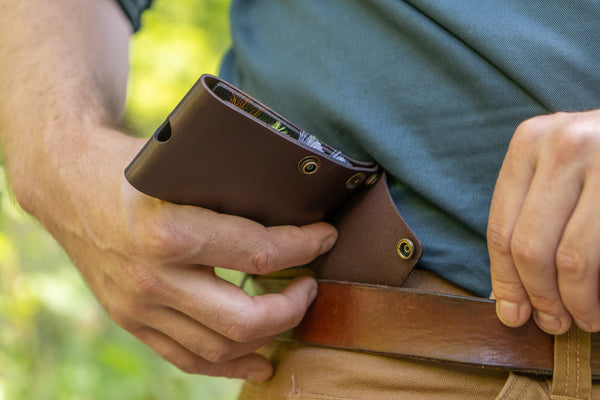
x=507, y=311
x=583, y=325
x=328, y=244
x=547, y=322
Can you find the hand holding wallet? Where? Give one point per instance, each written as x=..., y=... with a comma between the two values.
x=223, y=150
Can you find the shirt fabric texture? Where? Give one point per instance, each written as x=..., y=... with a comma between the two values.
x=432, y=90
x=133, y=10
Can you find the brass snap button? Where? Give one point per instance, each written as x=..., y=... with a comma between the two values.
x=405, y=249
x=355, y=180
x=309, y=165
x=371, y=180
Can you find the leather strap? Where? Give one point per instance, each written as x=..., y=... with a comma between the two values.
x=370, y=231
x=425, y=325
x=571, y=378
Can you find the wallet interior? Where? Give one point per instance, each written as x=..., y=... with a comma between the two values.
x=258, y=111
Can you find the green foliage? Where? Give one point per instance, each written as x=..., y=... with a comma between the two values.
x=179, y=41
x=56, y=342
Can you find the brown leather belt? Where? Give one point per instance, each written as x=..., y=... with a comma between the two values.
x=380, y=313
x=424, y=325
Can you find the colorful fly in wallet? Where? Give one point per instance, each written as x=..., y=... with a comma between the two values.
x=223, y=150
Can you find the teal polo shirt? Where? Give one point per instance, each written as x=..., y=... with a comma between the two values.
x=432, y=90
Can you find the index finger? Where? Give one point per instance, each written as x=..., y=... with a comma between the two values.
x=232, y=242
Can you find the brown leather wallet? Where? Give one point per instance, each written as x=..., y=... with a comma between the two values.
x=224, y=150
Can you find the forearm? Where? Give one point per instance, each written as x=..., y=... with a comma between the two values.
x=63, y=75
x=149, y=262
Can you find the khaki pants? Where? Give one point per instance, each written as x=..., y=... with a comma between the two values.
x=309, y=373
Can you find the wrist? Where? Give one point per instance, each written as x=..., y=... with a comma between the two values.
x=69, y=168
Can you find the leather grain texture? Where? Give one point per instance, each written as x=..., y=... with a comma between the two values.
x=425, y=325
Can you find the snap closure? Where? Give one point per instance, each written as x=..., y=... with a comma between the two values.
x=355, y=180
x=308, y=165
x=371, y=180
x=405, y=249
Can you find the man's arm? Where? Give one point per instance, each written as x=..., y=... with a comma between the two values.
x=64, y=70
x=150, y=263
x=544, y=226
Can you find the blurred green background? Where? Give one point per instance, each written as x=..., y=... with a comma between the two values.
x=56, y=342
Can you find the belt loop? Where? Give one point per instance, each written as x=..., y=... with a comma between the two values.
x=572, y=377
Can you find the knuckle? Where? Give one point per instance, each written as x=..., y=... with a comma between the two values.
x=243, y=330
x=581, y=128
x=265, y=257
x=572, y=139
x=569, y=132
x=160, y=236
x=546, y=303
x=245, y=326
x=146, y=285
x=157, y=236
x=498, y=237
x=526, y=250
x=529, y=130
x=571, y=263
x=216, y=353
x=508, y=290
